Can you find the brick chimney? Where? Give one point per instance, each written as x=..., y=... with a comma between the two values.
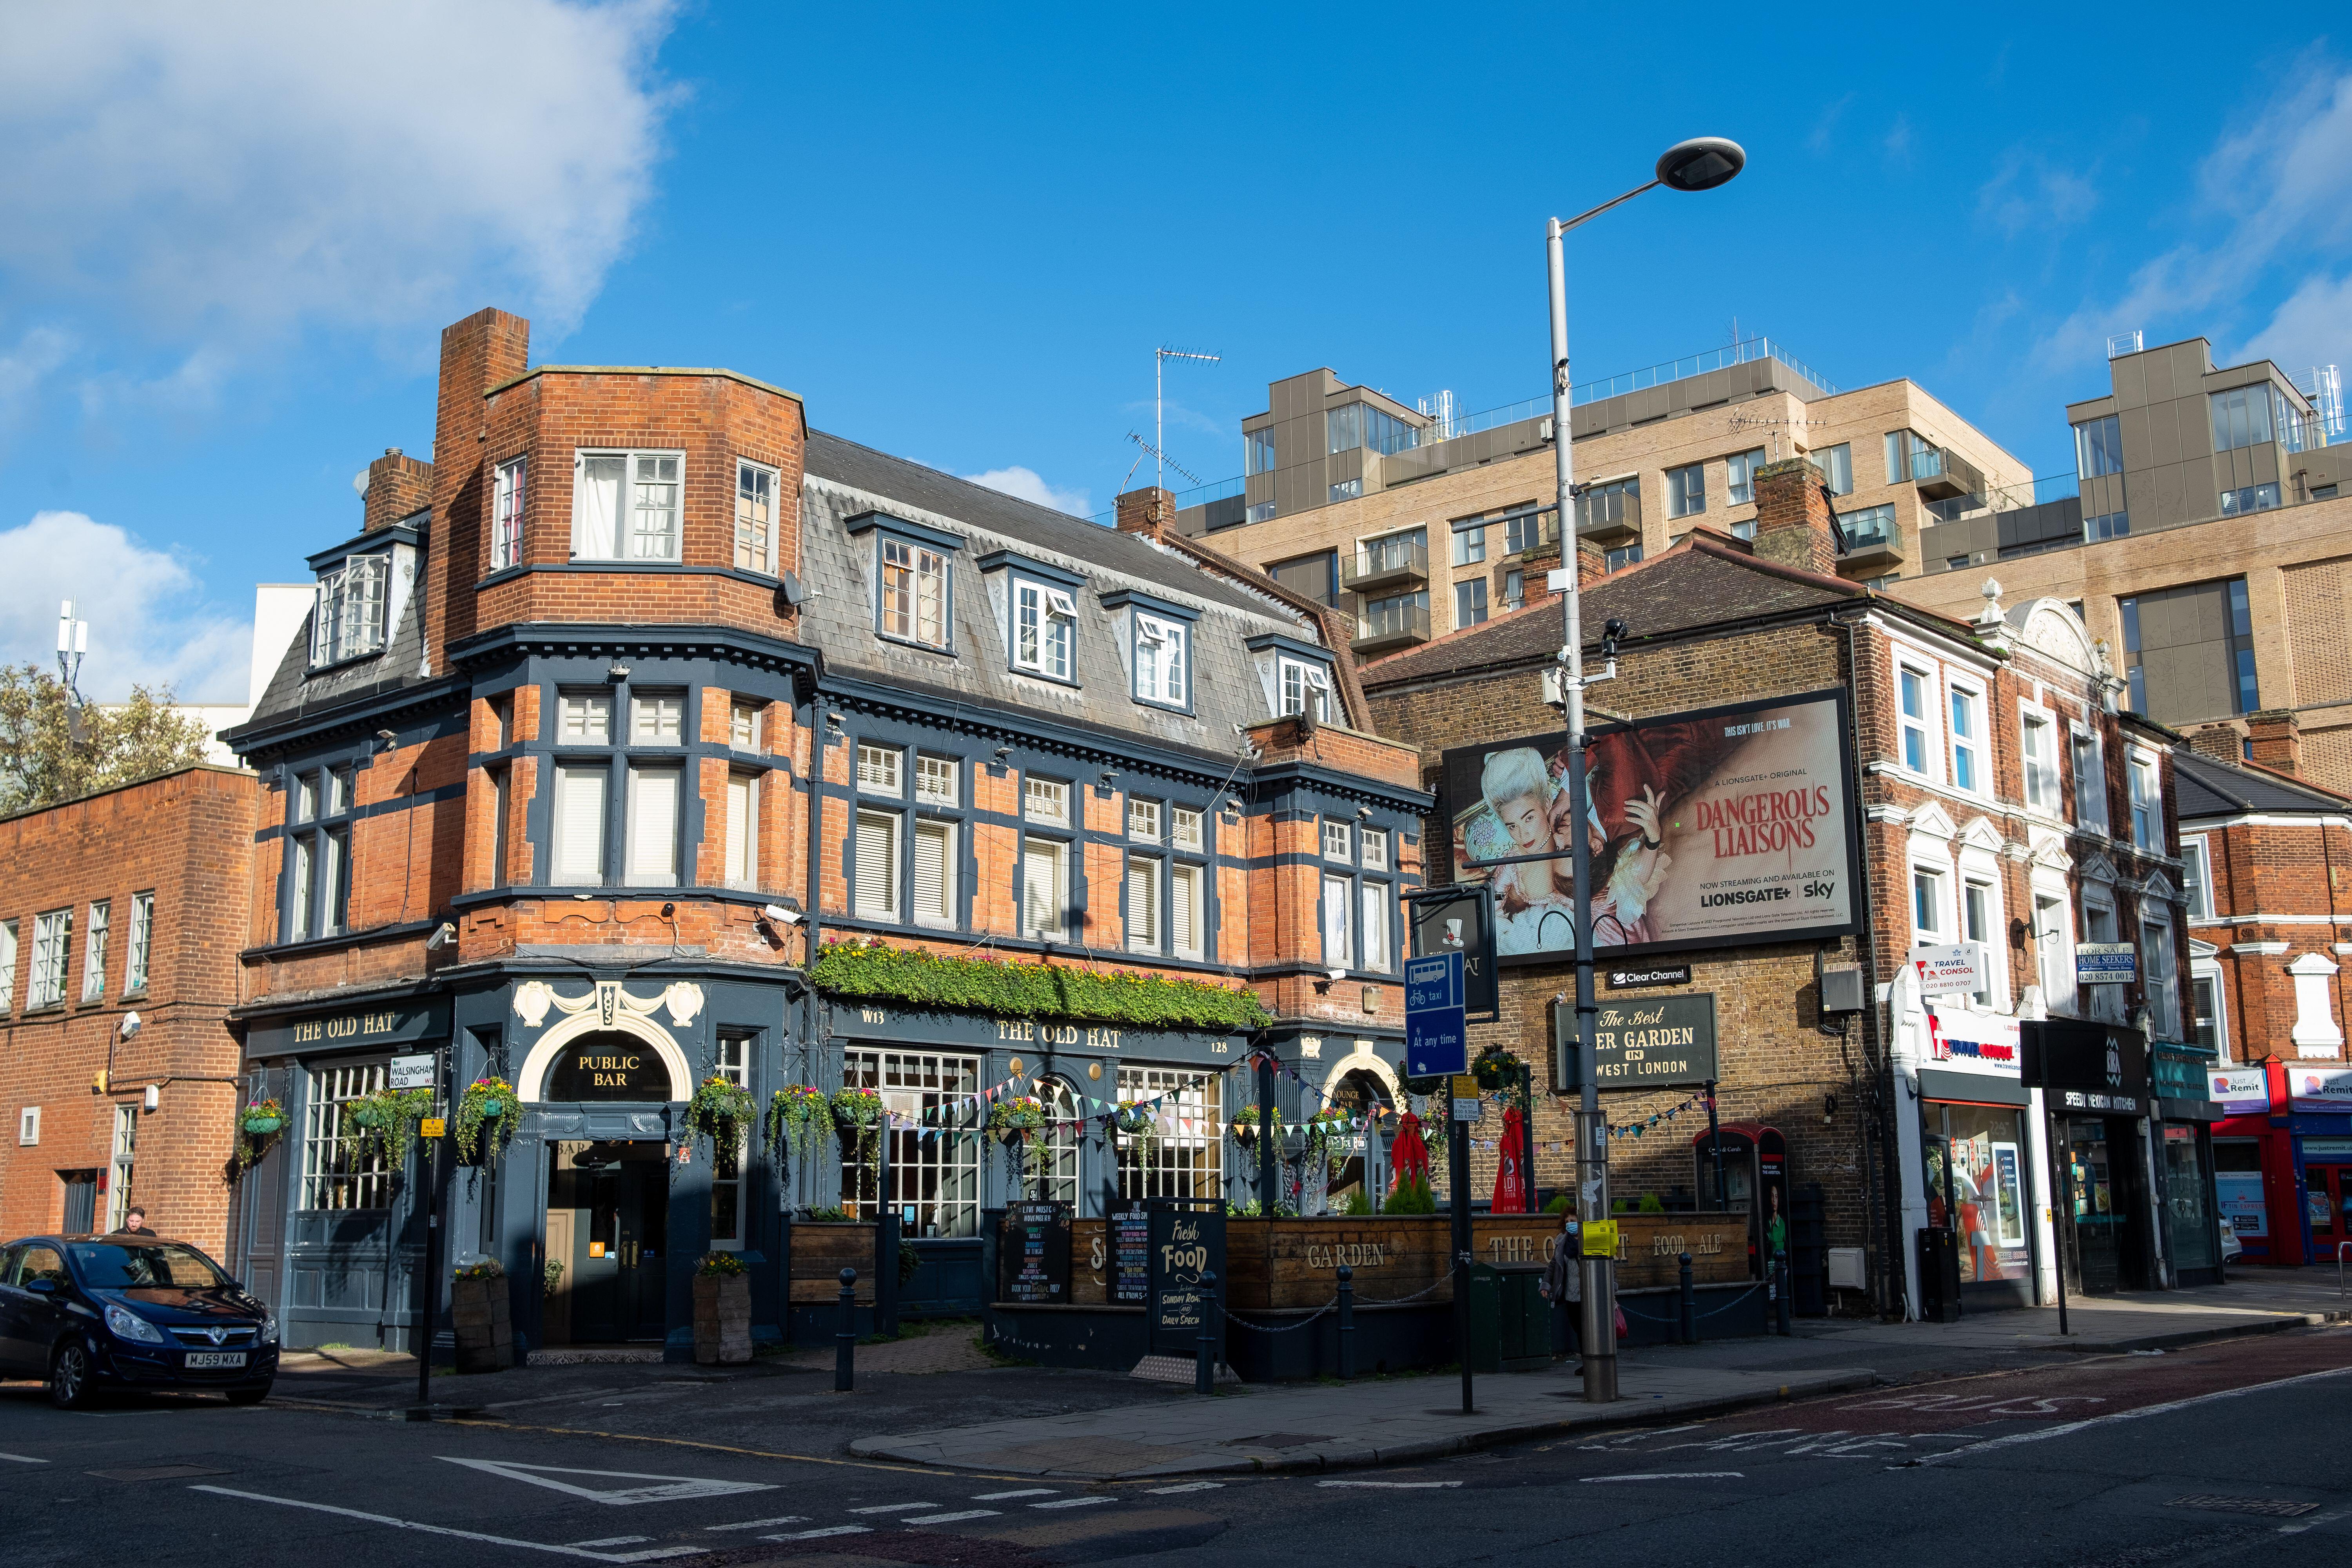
x=398, y=485
x=484, y=350
x=2222, y=742
x=2275, y=739
x=1592, y=563
x=1149, y=511
x=1793, y=517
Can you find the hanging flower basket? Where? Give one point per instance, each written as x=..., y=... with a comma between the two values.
x=857, y=1113
x=384, y=1123
x=264, y=1118
x=364, y=1113
x=1015, y=1117
x=797, y=1116
x=1134, y=1120
x=720, y=1110
x=1497, y=1069
x=1328, y=1129
x=483, y=1121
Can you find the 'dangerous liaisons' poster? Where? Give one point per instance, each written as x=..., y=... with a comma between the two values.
x=1707, y=829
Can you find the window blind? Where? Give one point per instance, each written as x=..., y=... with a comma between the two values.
x=653, y=827
x=1375, y=926
x=933, y=852
x=1143, y=903
x=1184, y=910
x=878, y=865
x=1336, y=955
x=1041, y=888
x=596, y=508
x=580, y=825
x=742, y=858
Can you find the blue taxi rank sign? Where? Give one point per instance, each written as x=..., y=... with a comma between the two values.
x=1435, y=1038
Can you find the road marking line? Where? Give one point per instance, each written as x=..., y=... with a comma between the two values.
x=672, y=1488
x=1074, y=1502
x=821, y=1534
x=1674, y=1475
x=893, y=1506
x=950, y=1517
x=723, y=1449
x=1025, y=1491
x=460, y=1534
x=762, y=1524
x=2014, y=1438
x=1397, y=1486
x=614, y=1541
x=1186, y=1487
x=23, y=1460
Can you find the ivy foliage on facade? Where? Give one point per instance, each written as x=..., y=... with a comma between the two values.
x=875, y=971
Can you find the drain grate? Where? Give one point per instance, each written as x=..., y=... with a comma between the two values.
x=2273, y=1508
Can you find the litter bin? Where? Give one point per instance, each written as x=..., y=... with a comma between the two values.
x=1939, y=1274
x=1511, y=1322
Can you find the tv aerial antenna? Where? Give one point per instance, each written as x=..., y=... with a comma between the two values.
x=1159, y=358
x=1751, y=422
x=1151, y=451
x=73, y=642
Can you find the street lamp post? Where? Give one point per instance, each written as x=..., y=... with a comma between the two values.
x=1700, y=165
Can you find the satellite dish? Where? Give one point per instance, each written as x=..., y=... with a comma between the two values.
x=359, y=481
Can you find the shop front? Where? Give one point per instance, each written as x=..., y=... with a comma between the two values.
x=2254, y=1165
x=2095, y=1087
x=1978, y=1162
x=2319, y=1102
x=2189, y=1192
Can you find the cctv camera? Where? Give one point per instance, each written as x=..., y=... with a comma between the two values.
x=1613, y=629
x=1334, y=975
x=129, y=1028
x=776, y=914
x=386, y=736
x=443, y=935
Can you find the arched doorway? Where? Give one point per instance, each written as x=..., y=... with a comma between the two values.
x=1054, y=1177
x=1360, y=1092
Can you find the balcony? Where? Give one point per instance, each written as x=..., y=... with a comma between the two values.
x=1386, y=630
x=1390, y=566
x=1873, y=544
x=1943, y=475
x=1609, y=517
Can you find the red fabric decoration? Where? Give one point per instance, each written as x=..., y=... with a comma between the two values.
x=1408, y=1156
x=1510, y=1181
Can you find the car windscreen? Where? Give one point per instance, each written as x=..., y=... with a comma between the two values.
x=112, y=1266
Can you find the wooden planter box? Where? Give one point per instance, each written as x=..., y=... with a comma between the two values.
x=485, y=1334
x=1290, y=1264
x=821, y=1251
x=723, y=1319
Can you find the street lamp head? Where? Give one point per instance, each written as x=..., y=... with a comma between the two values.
x=1700, y=164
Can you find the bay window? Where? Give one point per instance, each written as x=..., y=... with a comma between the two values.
x=625, y=505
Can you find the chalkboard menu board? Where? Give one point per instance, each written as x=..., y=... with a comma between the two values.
x=1130, y=1255
x=1034, y=1261
x=1188, y=1242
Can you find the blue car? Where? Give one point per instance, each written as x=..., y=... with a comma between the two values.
x=93, y=1313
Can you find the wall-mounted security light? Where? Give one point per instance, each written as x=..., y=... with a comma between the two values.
x=153, y=1098
x=777, y=914
x=130, y=1027
x=617, y=671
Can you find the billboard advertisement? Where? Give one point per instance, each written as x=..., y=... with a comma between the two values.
x=1717, y=829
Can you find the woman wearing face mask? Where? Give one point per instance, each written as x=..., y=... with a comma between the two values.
x=1563, y=1287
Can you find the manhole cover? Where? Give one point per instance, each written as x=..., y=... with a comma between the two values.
x=1276, y=1441
x=2274, y=1507
x=154, y=1473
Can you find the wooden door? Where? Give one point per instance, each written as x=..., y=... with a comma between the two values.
x=556, y=1321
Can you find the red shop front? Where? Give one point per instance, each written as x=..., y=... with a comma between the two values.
x=2282, y=1159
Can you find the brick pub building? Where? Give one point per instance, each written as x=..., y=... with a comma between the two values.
x=615, y=714
x=2001, y=799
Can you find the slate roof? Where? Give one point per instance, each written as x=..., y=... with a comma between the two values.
x=293, y=692
x=2207, y=786
x=1697, y=585
x=844, y=480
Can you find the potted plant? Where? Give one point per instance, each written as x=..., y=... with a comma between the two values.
x=721, y=1109
x=486, y=1119
x=722, y=1309
x=857, y=1113
x=478, y=1313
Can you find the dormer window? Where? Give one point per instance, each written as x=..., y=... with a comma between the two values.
x=1306, y=689
x=1044, y=628
x=625, y=506
x=914, y=593
x=1161, y=665
x=349, y=619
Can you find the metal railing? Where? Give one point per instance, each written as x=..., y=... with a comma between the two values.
x=1392, y=623
x=1745, y=352
x=1388, y=558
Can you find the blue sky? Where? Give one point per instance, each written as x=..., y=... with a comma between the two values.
x=960, y=233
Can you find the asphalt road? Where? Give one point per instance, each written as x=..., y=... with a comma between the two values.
x=2227, y=1453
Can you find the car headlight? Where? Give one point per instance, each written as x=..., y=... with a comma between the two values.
x=270, y=1329
x=129, y=1325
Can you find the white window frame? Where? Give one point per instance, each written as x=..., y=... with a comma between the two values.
x=1339, y=922
x=2207, y=971
x=561, y=845
x=1923, y=725
x=878, y=890
x=2038, y=768
x=1337, y=841
x=1938, y=903
x=348, y=620
x=728, y=1161
x=7, y=966
x=1683, y=484
x=1184, y=1158
x=1187, y=828
x=632, y=541
x=98, y=928
x=941, y=915
x=938, y=781
x=1295, y=680
x=2197, y=874
x=657, y=719
x=1966, y=700
x=2105, y=1002
x=743, y=724
x=52, y=953
x=651, y=860
x=913, y=589
x=1375, y=925
x=2091, y=782
x=2147, y=804
x=1144, y=820
x=1740, y=476
x=507, y=496
x=1147, y=882
x=1037, y=850
x=1187, y=883
x=881, y=770
x=1372, y=846
x=28, y=1125
x=937, y=1173
x=2159, y=939
x=333, y=1180
x=2053, y=951
x=1162, y=660
x=124, y=1157
x=1045, y=629
x=1045, y=801
x=755, y=540
x=742, y=868
x=587, y=719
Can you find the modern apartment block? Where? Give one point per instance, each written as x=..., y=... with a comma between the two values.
x=2204, y=546
x=1419, y=524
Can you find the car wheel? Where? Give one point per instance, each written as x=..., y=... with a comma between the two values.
x=248, y=1395
x=69, y=1377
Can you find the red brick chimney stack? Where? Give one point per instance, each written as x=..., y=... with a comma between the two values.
x=2274, y=739
x=1793, y=517
x=485, y=349
x=398, y=485
x=1149, y=512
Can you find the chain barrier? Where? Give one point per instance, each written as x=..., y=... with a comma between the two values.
x=1676, y=1317
x=1286, y=1327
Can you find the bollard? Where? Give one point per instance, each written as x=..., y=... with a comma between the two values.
x=845, y=1339
x=1346, y=1324
x=1780, y=1273
x=1205, y=1357
x=1690, y=1305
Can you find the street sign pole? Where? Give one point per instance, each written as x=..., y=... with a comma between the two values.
x=1457, y=1167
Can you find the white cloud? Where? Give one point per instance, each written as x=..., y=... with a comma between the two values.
x=212, y=176
x=2027, y=193
x=1027, y=484
x=147, y=623
x=2314, y=327
x=2271, y=194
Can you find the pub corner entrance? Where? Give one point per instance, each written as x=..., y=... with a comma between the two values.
x=606, y=1242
